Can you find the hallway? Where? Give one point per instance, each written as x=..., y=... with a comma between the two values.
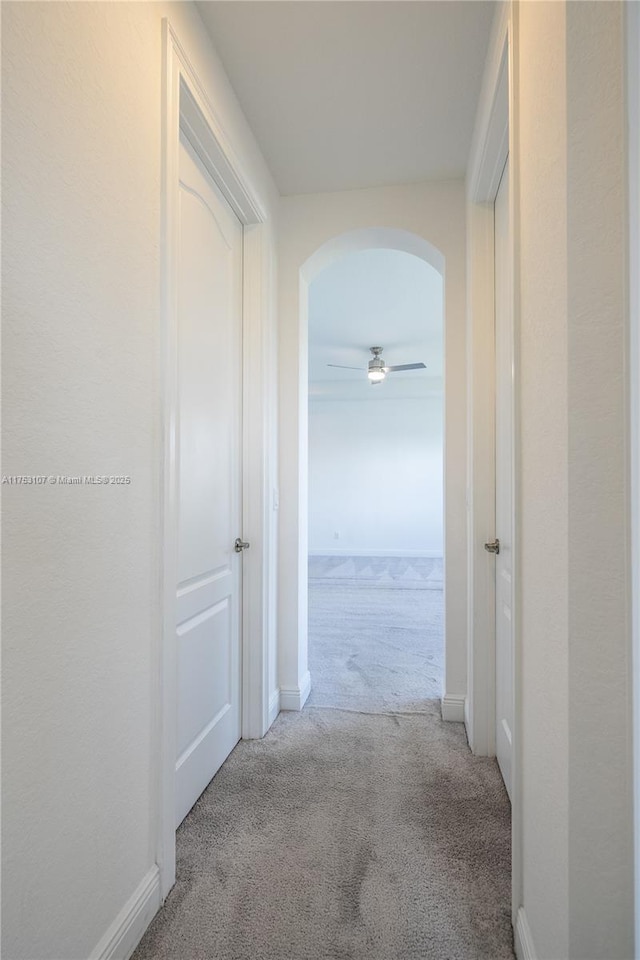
x=343, y=835
x=263, y=264
x=368, y=833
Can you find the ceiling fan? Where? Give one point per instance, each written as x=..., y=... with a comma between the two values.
x=377, y=368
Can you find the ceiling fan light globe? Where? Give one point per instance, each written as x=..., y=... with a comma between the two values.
x=377, y=375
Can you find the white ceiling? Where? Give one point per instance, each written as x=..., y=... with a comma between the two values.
x=371, y=298
x=342, y=95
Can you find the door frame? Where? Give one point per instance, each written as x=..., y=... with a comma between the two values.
x=186, y=107
x=632, y=28
x=332, y=250
x=494, y=140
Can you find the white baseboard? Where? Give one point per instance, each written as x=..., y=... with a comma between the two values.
x=346, y=552
x=274, y=707
x=126, y=931
x=452, y=706
x=296, y=697
x=525, y=949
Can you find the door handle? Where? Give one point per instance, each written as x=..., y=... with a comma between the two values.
x=240, y=545
x=493, y=546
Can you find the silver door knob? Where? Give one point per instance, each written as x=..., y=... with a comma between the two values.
x=493, y=546
x=241, y=545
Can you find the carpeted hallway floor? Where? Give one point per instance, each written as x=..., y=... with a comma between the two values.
x=345, y=835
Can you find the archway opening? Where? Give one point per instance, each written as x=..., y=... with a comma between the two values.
x=375, y=472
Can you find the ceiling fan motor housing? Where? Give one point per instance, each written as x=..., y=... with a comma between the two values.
x=377, y=363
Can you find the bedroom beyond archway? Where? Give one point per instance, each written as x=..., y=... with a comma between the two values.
x=375, y=441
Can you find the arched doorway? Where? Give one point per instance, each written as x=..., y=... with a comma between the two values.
x=294, y=537
x=375, y=493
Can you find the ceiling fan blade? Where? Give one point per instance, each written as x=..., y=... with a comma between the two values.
x=340, y=366
x=407, y=366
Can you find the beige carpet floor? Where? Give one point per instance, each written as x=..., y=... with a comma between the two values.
x=361, y=828
x=384, y=652
x=344, y=836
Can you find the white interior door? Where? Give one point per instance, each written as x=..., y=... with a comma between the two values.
x=504, y=482
x=208, y=450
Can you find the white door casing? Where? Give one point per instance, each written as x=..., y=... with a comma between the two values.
x=208, y=447
x=633, y=148
x=504, y=482
x=494, y=140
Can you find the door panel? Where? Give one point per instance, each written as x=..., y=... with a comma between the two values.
x=504, y=482
x=209, y=482
x=203, y=653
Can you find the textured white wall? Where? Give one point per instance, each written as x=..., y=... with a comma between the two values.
x=432, y=211
x=576, y=717
x=543, y=440
x=632, y=11
x=600, y=774
x=375, y=477
x=81, y=154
